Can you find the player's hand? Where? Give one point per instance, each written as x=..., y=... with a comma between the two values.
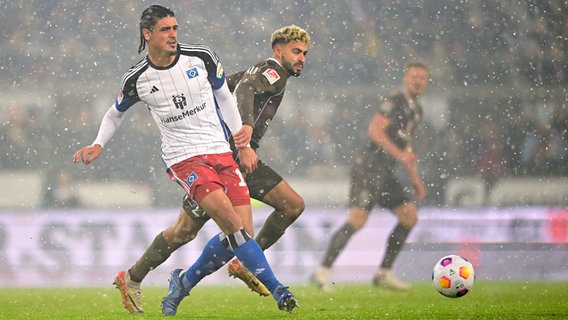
x=87, y=154
x=419, y=191
x=242, y=138
x=248, y=159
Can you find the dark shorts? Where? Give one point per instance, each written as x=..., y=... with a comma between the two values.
x=261, y=181
x=381, y=188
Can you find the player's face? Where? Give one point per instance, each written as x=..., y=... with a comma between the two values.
x=416, y=81
x=292, y=56
x=162, y=39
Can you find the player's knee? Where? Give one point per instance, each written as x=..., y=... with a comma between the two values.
x=410, y=222
x=292, y=207
x=409, y=219
x=183, y=231
x=185, y=235
x=298, y=207
x=356, y=221
x=358, y=217
x=177, y=237
x=357, y=225
x=407, y=214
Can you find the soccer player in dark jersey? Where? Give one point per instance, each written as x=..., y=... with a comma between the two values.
x=373, y=179
x=185, y=90
x=259, y=92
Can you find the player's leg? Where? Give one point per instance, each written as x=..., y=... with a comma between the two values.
x=288, y=205
x=357, y=218
x=215, y=254
x=232, y=212
x=363, y=194
x=220, y=249
x=252, y=257
x=235, y=268
x=170, y=239
x=267, y=186
x=184, y=230
x=406, y=214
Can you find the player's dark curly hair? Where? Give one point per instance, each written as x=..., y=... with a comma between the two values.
x=149, y=18
x=290, y=33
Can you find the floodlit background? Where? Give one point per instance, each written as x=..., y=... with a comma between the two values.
x=493, y=146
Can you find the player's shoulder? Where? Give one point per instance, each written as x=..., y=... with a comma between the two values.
x=391, y=102
x=189, y=47
x=135, y=71
x=199, y=50
x=272, y=71
x=395, y=94
x=273, y=64
x=396, y=98
x=140, y=65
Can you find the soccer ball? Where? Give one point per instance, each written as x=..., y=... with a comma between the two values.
x=453, y=276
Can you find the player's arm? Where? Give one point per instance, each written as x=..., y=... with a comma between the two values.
x=233, y=79
x=245, y=93
x=414, y=176
x=228, y=107
x=249, y=87
x=377, y=132
x=227, y=104
x=109, y=124
x=242, y=133
x=416, y=181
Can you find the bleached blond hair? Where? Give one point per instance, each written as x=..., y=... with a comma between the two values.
x=290, y=33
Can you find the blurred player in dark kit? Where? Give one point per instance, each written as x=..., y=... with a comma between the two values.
x=374, y=182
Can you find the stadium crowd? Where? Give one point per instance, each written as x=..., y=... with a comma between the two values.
x=498, y=69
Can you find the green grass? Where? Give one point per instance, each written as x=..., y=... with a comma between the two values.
x=488, y=300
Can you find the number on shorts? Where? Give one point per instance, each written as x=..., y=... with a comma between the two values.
x=243, y=183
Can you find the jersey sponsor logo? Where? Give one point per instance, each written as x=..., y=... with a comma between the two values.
x=179, y=101
x=271, y=75
x=184, y=114
x=220, y=71
x=154, y=89
x=191, y=178
x=192, y=73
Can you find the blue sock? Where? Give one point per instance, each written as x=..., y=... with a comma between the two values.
x=251, y=256
x=214, y=256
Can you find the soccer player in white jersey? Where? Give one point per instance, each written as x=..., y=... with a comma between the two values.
x=185, y=90
x=259, y=91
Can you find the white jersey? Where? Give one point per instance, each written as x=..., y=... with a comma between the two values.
x=182, y=102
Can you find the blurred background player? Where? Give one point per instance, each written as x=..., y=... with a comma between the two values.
x=259, y=92
x=184, y=88
x=374, y=182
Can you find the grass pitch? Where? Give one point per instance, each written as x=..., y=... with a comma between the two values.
x=487, y=300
